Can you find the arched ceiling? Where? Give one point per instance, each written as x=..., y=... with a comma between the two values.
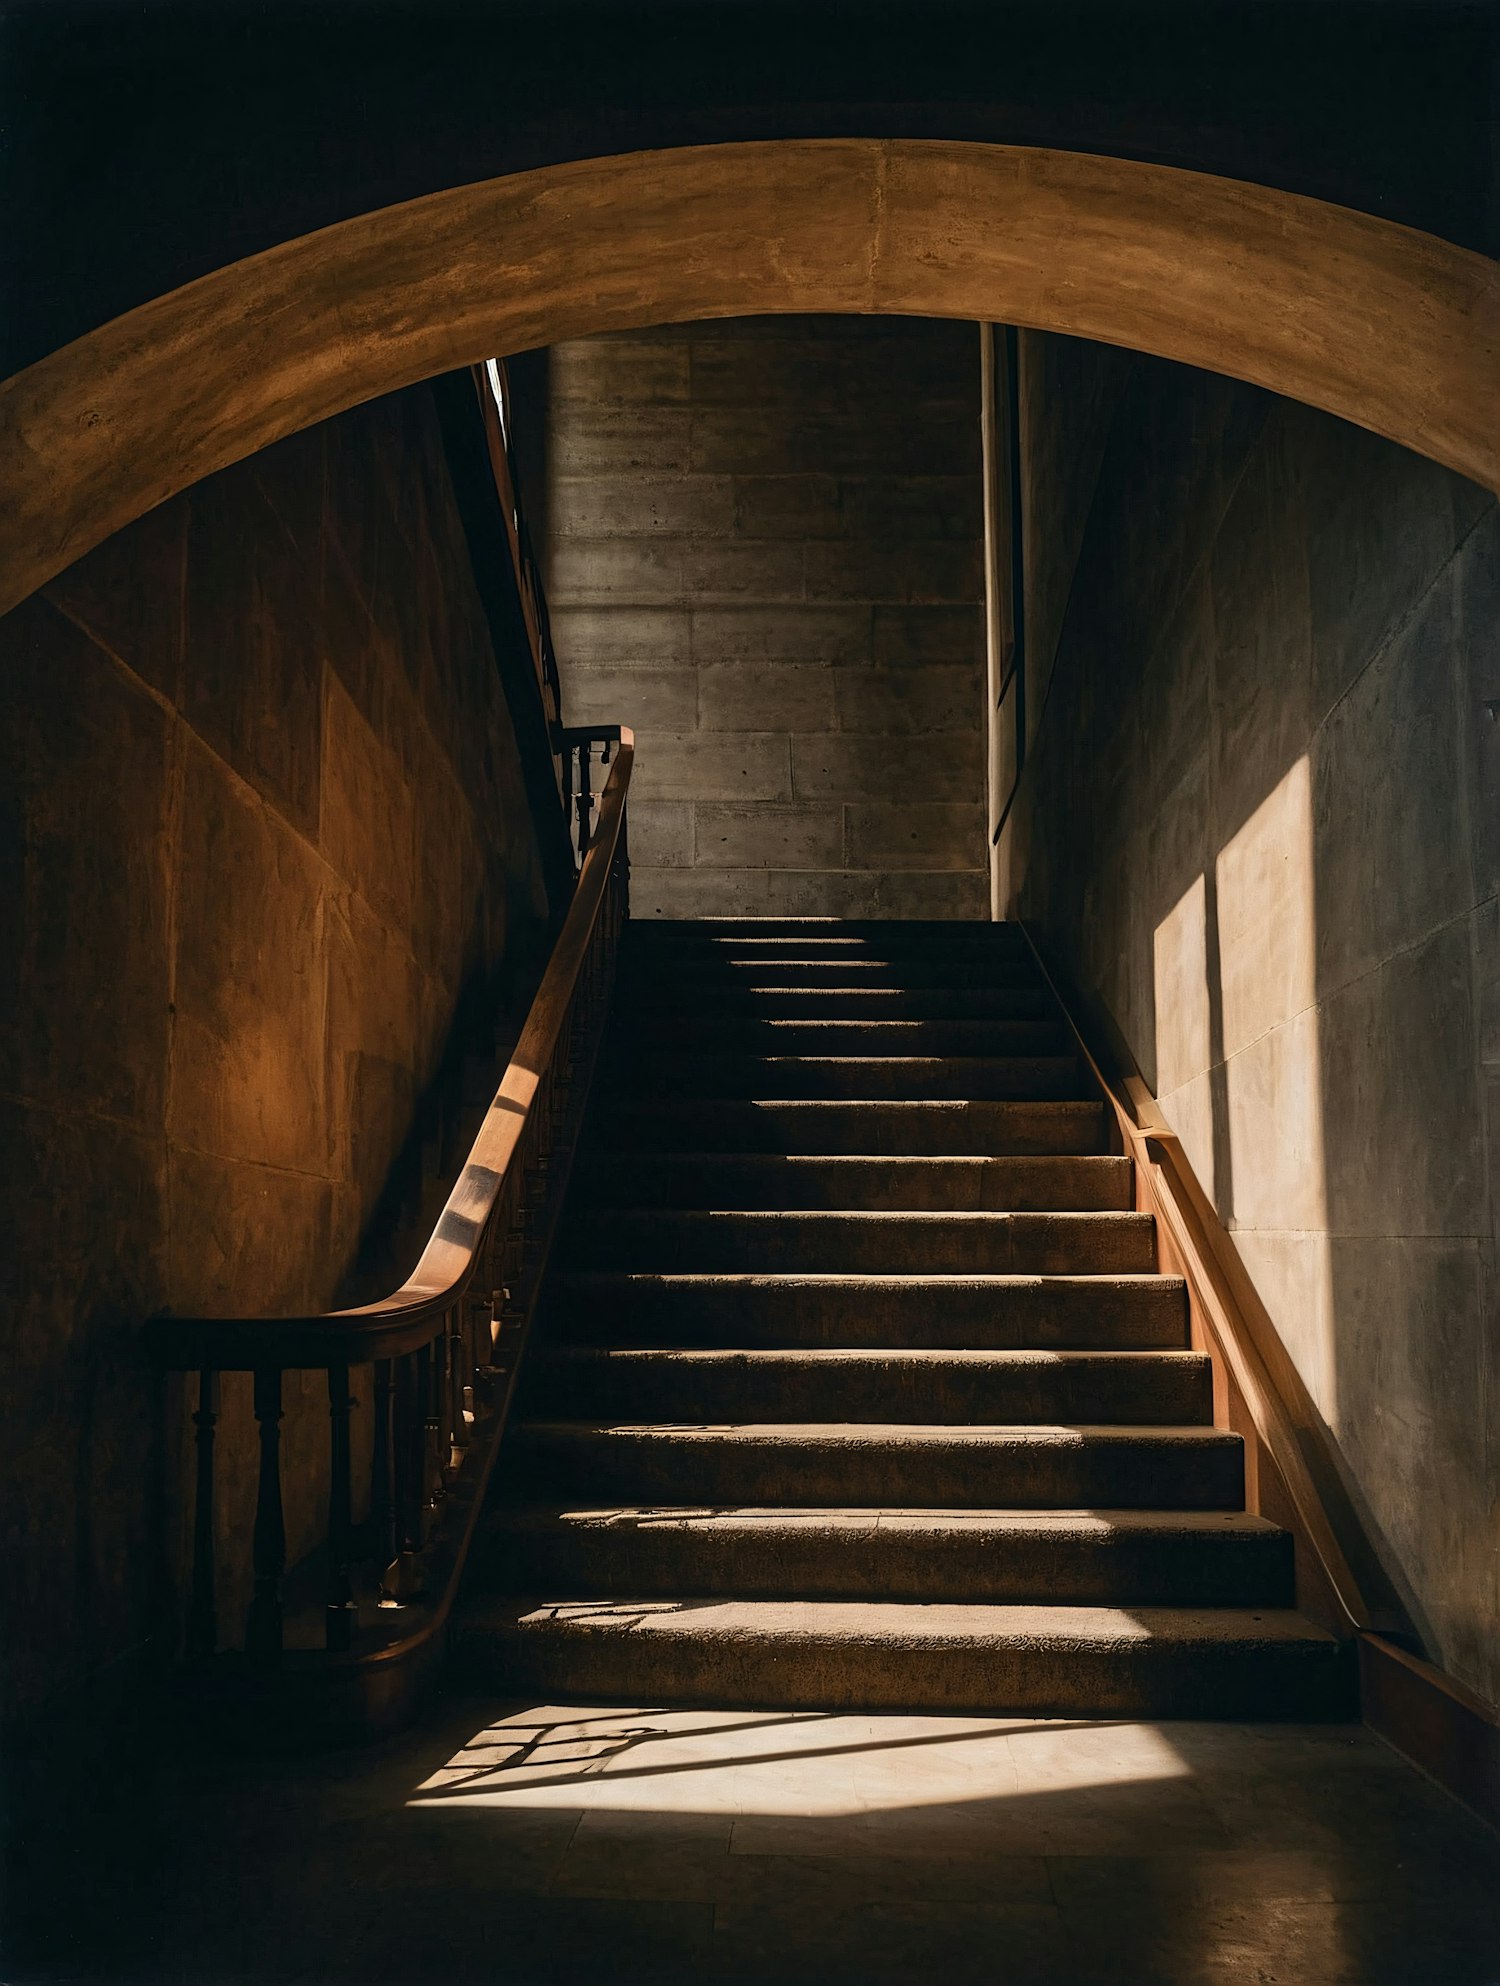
x=1385, y=326
x=148, y=144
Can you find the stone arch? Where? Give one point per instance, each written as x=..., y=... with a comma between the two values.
x=1380, y=324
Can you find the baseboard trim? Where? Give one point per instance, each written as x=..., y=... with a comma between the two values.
x=1451, y=1734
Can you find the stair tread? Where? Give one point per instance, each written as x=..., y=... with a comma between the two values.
x=698, y=1055
x=912, y=1548
x=872, y=1217
x=738, y=997
x=714, y=951
x=883, y=1161
x=888, y=1096
x=905, y=1621
x=925, y=1386
x=859, y=1434
x=703, y=978
x=1049, y=1182
x=865, y=1518
x=650, y=941
x=978, y=1358
x=710, y=1078
x=1013, y=1106
x=1004, y=1309
x=582, y=1281
x=775, y=925
x=819, y=1238
x=820, y=930
x=894, y=1029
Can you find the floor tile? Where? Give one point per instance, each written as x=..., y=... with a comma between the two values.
x=538, y=1843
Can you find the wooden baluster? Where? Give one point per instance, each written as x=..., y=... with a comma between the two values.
x=428, y=1395
x=203, y=1619
x=340, y=1613
x=520, y=1208
x=500, y=1315
x=263, y=1629
x=458, y=1431
x=513, y=1260
x=382, y=1486
x=537, y=1171
x=477, y=1353
x=533, y=1187
x=486, y=1309
x=567, y=779
x=437, y=1411
x=585, y=797
x=403, y=1575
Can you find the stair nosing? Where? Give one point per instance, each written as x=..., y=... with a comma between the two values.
x=901, y=1215
x=1037, y=1623
x=649, y=1155
x=1008, y=1355
x=938, y=1279
x=810, y=1434
x=963, y=1517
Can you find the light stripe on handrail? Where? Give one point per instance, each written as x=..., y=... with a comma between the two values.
x=415, y=1312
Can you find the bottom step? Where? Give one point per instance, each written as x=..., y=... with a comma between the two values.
x=851, y=1655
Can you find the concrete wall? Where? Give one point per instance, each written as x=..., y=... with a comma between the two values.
x=264, y=837
x=1262, y=821
x=764, y=555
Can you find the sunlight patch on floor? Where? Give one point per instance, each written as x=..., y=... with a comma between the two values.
x=810, y=1764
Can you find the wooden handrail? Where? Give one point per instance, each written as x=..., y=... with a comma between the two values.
x=403, y=1320
x=1290, y=1469
x=492, y=385
x=444, y=1351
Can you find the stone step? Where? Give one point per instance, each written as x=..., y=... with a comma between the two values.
x=888, y=936
x=736, y=971
x=830, y=1127
x=887, y=1655
x=665, y=1383
x=661, y=996
x=956, y=1078
x=853, y=1386
x=860, y=1462
x=933, y=1244
x=708, y=1032
x=1068, y=1557
x=1057, y=1313
x=867, y=1183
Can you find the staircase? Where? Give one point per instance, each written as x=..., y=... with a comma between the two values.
x=857, y=1385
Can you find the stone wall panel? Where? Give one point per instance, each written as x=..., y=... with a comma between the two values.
x=812, y=655
x=924, y=834
x=89, y=774
x=265, y=844
x=248, y=1076
x=1261, y=821
x=128, y=596
x=802, y=696
x=767, y=837
x=252, y=673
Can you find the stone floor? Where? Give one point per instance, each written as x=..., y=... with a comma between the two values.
x=536, y=1844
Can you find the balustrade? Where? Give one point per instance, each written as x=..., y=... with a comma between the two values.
x=441, y=1353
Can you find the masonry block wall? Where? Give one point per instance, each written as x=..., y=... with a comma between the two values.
x=1261, y=820
x=764, y=555
x=264, y=836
